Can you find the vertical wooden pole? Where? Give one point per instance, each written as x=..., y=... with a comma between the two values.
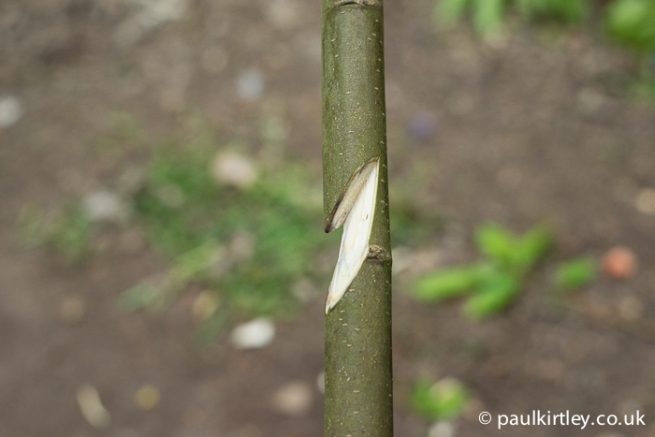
x=358, y=392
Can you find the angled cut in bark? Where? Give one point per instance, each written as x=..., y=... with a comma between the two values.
x=355, y=210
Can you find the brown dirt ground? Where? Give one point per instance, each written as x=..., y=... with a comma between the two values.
x=538, y=129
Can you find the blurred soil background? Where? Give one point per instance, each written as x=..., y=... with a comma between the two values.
x=115, y=114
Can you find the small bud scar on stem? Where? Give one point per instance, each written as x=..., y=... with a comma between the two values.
x=355, y=209
x=378, y=254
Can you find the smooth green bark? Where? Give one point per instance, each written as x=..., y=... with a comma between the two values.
x=358, y=392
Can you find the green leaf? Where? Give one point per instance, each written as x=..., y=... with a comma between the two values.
x=488, y=17
x=575, y=273
x=496, y=243
x=509, y=251
x=449, y=283
x=493, y=296
x=441, y=401
x=632, y=23
x=531, y=248
x=450, y=11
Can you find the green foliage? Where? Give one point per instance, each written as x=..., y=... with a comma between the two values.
x=250, y=245
x=66, y=231
x=450, y=283
x=494, y=283
x=575, y=274
x=178, y=202
x=531, y=248
x=441, y=401
x=628, y=22
x=496, y=243
x=495, y=294
x=632, y=23
x=488, y=17
x=512, y=252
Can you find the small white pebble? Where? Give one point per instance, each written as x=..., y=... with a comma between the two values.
x=104, y=206
x=233, y=169
x=293, y=399
x=91, y=407
x=11, y=111
x=254, y=334
x=645, y=201
x=250, y=85
x=442, y=429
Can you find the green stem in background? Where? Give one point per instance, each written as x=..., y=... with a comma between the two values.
x=358, y=392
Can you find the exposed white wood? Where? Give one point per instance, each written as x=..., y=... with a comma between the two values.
x=356, y=211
